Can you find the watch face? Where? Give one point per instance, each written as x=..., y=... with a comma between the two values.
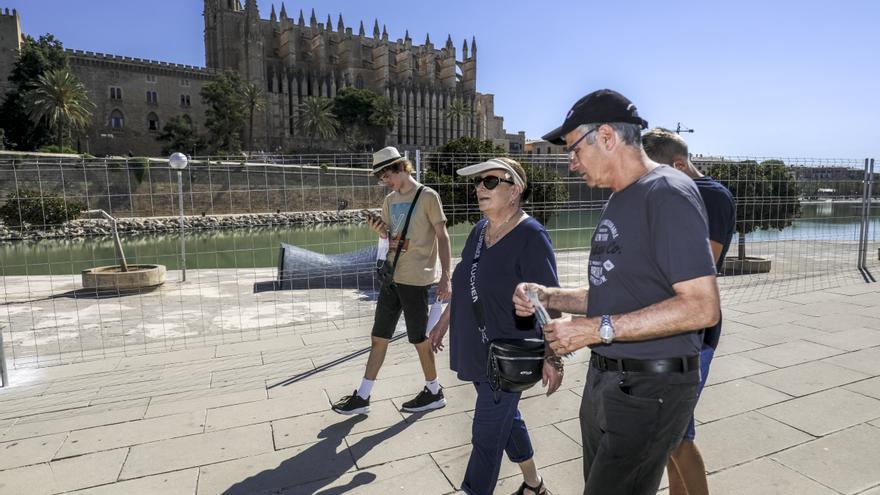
x=606, y=332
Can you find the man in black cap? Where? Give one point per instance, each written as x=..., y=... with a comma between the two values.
x=651, y=290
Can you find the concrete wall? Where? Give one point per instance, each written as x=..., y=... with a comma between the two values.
x=128, y=189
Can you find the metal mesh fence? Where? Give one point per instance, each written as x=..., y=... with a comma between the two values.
x=238, y=214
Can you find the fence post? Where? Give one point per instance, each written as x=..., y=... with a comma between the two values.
x=4, y=375
x=868, y=195
x=862, y=236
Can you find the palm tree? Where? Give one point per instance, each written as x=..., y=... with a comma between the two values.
x=61, y=99
x=317, y=118
x=456, y=111
x=254, y=101
x=384, y=117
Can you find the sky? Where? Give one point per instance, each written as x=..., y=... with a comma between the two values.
x=752, y=78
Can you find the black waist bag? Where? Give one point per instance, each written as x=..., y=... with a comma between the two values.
x=515, y=365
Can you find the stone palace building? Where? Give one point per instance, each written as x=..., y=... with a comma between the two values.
x=290, y=60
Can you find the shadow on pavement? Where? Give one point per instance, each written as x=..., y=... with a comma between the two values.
x=319, y=465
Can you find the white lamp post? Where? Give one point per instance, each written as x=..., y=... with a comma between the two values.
x=178, y=161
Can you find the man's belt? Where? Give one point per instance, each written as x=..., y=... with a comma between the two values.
x=669, y=365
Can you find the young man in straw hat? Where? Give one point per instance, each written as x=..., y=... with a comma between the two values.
x=415, y=271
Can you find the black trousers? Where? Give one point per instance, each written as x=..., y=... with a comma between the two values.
x=630, y=422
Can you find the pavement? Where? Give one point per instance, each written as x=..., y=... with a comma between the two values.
x=792, y=407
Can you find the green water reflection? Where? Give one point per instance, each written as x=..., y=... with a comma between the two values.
x=249, y=248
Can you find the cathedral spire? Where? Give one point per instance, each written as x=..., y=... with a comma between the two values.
x=302, y=20
x=384, y=33
x=313, y=21
x=464, y=51
x=340, y=26
x=474, y=46
x=329, y=23
x=376, y=28
x=449, y=41
x=272, y=16
x=361, y=31
x=427, y=38
x=283, y=12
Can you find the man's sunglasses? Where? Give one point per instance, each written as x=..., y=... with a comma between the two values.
x=490, y=181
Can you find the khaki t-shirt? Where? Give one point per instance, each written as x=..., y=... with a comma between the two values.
x=418, y=259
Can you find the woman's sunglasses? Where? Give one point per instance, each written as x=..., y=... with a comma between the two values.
x=490, y=181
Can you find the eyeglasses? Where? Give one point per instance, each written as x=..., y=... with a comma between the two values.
x=572, y=150
x=490, y=181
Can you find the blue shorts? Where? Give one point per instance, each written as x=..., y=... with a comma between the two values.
x=706, y=354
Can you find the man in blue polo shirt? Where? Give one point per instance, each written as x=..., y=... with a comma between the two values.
x=687, y=473
x=651, y=291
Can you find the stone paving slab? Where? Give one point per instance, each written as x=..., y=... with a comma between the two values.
x=738, y=439
x=25, y=452
x=791, y=353
x=735, y=397
x=865, y=360
x=409, y=438
x=176, y=483
x=825, y=412
x=277, y=470
x=79, y=422
x=132, y=433
x=309, y=428
x=870, y=387
x=197, y=450
x=845, y=461
x=808, y=378
x=765, y=477
x=733, y=367
x=64, y=475
x=418, y=475
x=849, y=340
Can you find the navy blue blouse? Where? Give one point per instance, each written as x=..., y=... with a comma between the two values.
x=525, y=254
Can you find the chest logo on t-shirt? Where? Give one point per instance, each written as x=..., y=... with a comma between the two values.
x=603, y=247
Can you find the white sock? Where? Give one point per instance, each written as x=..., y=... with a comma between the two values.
x=366, y=388
x=433, y=385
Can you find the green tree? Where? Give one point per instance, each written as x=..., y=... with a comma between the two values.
x=179, y=135
x=362, y=109
x=455, y=112
x=766, y=196
x=226, y=112
x=60, y=100
x=383, y=119
x=546, y=190
x=255, y=102
x=37, y=57
x=317, y=119
x=42, y=210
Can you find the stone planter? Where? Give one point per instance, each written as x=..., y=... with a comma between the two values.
x=747, y=266
x=111, y=277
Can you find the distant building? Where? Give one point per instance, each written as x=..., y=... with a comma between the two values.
x=289, y=60
x=541, y=147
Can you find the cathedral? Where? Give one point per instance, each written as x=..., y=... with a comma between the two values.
x=289, y=60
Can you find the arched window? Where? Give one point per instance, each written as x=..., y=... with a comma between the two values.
x=117, y=121
x=359, y=82
x=152, y=122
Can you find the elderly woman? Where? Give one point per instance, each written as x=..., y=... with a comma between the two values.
x=513, y=248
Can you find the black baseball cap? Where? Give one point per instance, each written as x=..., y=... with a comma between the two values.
x=602, y=106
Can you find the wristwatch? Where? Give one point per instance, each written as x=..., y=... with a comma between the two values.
x=606, y=330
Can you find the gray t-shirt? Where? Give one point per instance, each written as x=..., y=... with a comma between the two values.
x=651, y=235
